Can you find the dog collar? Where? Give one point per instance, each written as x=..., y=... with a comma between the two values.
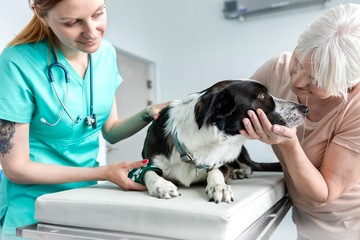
x=185, y=155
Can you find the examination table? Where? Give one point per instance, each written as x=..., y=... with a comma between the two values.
x=104, y=211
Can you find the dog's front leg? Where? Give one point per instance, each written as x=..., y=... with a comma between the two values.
x=159, y=187
x=216, y=188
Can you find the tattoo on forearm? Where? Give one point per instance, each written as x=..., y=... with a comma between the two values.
x=146, y=117
x=7, y=130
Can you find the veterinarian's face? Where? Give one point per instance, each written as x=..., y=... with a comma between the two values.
x=78, y=24
x=302, y=80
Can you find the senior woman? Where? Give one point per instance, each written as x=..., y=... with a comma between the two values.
x=321, y=159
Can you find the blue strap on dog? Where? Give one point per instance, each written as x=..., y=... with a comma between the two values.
x=137, y=174
x=187, y=156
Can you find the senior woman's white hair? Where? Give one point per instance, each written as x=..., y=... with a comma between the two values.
x=332, y=43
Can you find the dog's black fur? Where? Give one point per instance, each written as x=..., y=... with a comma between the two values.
x=207, y=119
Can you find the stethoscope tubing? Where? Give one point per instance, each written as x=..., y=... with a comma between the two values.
x=91, y=87
x=90, y=120
x=62, y=104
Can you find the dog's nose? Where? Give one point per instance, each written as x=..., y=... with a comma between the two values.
x=304, y=110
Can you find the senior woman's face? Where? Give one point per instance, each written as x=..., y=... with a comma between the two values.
x=302, y=80
x=78, y=24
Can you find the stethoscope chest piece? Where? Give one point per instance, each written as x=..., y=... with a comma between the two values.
x=91, y=121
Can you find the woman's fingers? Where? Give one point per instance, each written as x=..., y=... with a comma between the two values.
x=137, y=164
x=118, y=174
x=259, y=127
x=264, y=121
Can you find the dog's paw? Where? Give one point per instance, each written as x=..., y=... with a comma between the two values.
x=241, y=173
x=220, y=193
x=163, y=189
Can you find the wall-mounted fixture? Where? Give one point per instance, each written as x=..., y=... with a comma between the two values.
x=235, y=9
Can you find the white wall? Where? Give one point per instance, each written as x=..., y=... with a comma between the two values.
x=191, y=43
x=195, y=46
x=14, y=16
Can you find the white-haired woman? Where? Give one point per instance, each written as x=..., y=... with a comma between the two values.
x=321, y=159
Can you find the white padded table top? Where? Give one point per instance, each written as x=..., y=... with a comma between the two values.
x=190, y=216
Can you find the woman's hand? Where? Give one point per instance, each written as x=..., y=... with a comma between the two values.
x=259, y=127
x=154, y=110
x=118, y=173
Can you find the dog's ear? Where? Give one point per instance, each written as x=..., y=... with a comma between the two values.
x=213, y=106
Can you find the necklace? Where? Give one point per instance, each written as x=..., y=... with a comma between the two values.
x=304, y=125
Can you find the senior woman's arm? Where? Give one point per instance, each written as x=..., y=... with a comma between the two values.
x=338, y=173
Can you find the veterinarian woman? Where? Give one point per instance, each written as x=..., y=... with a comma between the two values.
x=321, y=159
x=58, y=83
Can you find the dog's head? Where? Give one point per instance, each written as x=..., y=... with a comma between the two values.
x=226, y=103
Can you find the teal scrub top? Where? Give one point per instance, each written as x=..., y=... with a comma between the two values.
x=26, y=96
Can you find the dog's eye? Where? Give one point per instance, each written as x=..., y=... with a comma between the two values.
x=261, y=96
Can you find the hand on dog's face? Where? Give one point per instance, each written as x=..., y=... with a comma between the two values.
x=227, y=103
x=259, y=127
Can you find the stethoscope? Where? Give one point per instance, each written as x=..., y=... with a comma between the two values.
x=91, y=119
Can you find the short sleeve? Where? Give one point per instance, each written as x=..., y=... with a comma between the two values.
x=347, y=132
x=106, y=66
x=118, y=78
x=15, y=87
x=274, y=74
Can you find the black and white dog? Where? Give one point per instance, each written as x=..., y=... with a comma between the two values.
x=199, y=139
